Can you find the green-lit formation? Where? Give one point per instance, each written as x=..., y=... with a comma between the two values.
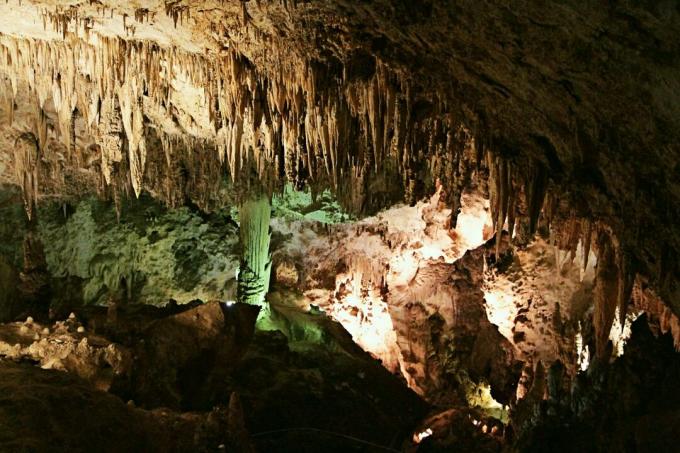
x=292, y=204
x=253, y=277
x=160, y=254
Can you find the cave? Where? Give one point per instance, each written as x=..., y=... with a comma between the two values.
x=339, y=226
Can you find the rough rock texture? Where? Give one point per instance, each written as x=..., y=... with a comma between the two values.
x=67, y=347
x=408, y=291
x=195, y=358
x=375, y=100
x=137, y=252
x=539, y=299
x=645, y=299
x=459, y=430
x=144, y=253
x=322, y=400
x=180, y=358
x=8, y=290
x=631, y=405
x=44, y=410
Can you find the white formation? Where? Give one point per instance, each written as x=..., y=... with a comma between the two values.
x=582, y=352
x=532, y=301
x=620, y=332
x=60, y=349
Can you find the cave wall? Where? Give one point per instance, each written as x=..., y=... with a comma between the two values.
x=373, y=100
x=143, y=254
x=161, y=253
x=565, y=116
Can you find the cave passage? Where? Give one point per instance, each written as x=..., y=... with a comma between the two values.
x=326, y=226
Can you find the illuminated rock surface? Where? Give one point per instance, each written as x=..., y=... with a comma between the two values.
x=485, y=197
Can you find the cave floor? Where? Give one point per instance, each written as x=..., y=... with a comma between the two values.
x=183, y=379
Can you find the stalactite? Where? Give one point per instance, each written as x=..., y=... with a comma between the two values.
x=605, y=292
x=72, y=132
x=511, y=212
x=324, y=134
x=586, y=239
x=10, y=110
x=129, y=98
x=26, y=159
x=110, y=136
x=40, y=129
x=625, y=284
x=645, y=299
x=536, y=189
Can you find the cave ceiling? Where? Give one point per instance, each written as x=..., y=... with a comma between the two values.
x=565, y=110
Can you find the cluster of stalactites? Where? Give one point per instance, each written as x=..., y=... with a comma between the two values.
x=173, y=8
x=645, y=299
x=521, y=201
x=520, y=197
x=315, y=130
x=456, y=165
x=299, y=124
x=517, y=194
x=613, y=287
x=614, y=274
x=188, y=169
x=106, y=83
x=66, y=21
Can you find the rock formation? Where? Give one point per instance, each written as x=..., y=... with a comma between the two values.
x=511, y=173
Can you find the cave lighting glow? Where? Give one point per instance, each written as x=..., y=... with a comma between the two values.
x=619, y=334
x=479, y=396
x=419, y=437
x=500, y=308
x=431, y=252
x=424, y=236
x=582, y=352
x=474, y=222
x=367, y=319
